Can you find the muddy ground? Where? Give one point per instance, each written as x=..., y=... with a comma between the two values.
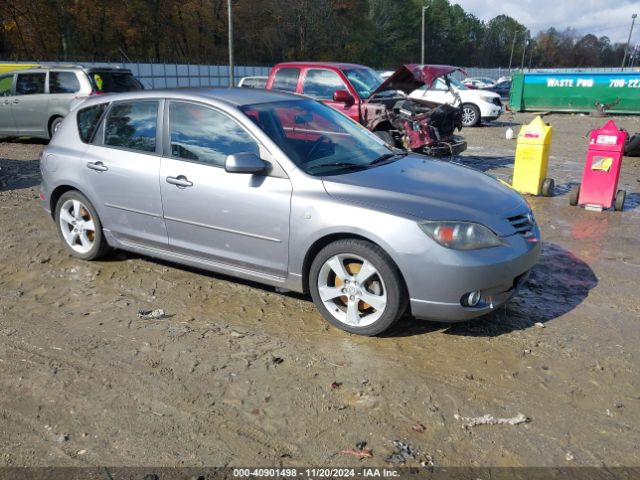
x=240, y=374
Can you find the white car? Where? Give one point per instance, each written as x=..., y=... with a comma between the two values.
x=479, y=82
x=477, y=105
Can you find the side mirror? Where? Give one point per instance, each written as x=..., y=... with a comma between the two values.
x=342, y=96
x=245, y=162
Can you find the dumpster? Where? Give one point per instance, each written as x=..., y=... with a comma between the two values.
x=598, y=189
x=612, y=92
x=532, y=158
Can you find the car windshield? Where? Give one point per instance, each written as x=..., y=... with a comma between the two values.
x=318, y=139
x=364, y=80
x=458, y=84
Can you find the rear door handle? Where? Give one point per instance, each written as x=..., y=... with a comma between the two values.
x=6, y=102
x=97, y=166
x=179, y=181
x=16, y=101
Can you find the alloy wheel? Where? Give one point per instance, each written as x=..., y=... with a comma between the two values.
x=77, y=226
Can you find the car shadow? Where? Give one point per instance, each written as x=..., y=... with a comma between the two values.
x=18, y=174
x=484, y=163
x=557, y=284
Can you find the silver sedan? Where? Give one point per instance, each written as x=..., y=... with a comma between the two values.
x=288, y=192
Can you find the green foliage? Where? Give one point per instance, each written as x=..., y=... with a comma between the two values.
x=381, y=33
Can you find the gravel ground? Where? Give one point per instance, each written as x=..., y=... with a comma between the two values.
x=239, y=374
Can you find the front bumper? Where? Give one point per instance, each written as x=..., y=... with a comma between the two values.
x=498, y=275
x=491, y=112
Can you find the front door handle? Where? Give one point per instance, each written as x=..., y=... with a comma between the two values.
x=97, y=166
x=16, y=100
x=179, y=181
x=6, y=102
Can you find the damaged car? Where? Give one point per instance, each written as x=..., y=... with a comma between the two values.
x=382, y=106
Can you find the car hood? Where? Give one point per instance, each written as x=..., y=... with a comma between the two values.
x=412, y=76
x=481, y=93
x=429, y=189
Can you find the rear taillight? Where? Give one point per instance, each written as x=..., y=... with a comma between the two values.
x=97, y=92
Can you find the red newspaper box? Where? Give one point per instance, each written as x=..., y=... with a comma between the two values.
x=602, y=170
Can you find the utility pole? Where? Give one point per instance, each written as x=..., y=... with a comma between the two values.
x=626, y=48
x=424, y=9
x=513, y=45
x=524, y=49
x=232, y=80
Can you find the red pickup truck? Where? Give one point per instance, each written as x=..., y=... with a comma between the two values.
x=381, y=106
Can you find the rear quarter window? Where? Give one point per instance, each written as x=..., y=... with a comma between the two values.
x=89, y=120
x=286, y=79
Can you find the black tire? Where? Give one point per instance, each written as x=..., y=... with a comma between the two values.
x=391, y=284
x=618, y=204
x=385, y=136
x=53, y=127
x=470, y=115
x=548, y=186
x=99, y=246
x=574, y=195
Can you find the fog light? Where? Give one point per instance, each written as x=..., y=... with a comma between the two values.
x=471, y=299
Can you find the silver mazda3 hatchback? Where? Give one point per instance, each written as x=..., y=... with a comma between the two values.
x=286, y=191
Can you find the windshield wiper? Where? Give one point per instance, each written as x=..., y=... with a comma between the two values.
x=340, y=165
x=388, y=156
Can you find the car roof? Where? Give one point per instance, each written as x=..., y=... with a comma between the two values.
x=75, y=68
x=232, y=96
x=339, y=65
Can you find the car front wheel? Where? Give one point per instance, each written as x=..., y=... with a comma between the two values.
x=357, y=287
x=79, y=226
x=470, y=115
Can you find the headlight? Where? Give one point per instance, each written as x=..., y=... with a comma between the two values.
x=460, y=235
x=487, y=99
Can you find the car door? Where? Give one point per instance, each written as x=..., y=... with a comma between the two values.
x=30, y=104
x=322, y=83
x=7, y=125
x=122, y=168
x=234, y=219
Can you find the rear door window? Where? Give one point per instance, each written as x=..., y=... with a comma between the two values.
x=5, y=85
x=63, y=82
x=205, y=135
x=112, y=82
x=286, y=79
x=132, y=125
x=30, y=83
x=322, y=84
x=88, y=121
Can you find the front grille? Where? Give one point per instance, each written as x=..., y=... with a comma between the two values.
x=497, y=102
x=523, y=224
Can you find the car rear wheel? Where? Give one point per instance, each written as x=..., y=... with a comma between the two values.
x=55, y=124
x=470, y=115
x=357, y=287
x=79, y=226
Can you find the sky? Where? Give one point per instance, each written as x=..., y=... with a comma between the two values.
x=599, y=17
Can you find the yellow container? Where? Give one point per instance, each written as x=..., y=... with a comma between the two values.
x=10, y=67
x=532, y=157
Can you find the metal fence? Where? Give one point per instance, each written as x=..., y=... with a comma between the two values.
x=169, y=75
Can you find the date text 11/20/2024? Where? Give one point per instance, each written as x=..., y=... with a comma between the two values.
x=315, y=472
